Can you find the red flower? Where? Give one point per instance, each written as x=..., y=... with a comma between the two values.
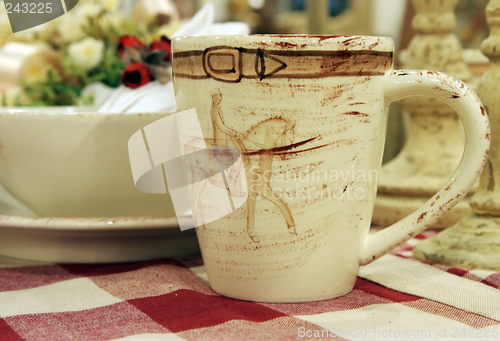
x=135, y=75
x=163, y=44
x=129, y=43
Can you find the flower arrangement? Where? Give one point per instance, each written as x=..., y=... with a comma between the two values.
x=96, y=44
x=145, y=64
x=86, y=39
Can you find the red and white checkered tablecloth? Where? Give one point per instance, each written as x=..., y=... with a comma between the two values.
x=170, y=299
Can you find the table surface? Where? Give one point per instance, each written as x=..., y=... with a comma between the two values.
x=395, y=298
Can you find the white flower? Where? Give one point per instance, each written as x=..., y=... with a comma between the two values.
x=111, y=21
x=87, y=53
x=89, y=10
x=36, y=69
x=110, y=5
x=71, y=28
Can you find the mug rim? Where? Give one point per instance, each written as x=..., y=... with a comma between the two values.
x=290, y=42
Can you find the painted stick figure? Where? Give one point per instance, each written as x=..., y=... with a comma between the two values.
x=262, y=140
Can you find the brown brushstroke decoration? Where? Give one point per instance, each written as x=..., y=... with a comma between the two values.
x=232, y=64
x=278, y=133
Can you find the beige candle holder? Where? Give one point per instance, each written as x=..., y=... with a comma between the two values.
x=474, y=241
x=435, y=136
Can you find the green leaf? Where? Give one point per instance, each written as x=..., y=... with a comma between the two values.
x=51, y=92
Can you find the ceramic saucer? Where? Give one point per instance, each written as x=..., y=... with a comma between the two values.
x=94, y=240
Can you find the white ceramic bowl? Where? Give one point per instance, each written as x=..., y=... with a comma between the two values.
x=69, y=162
x=71, y=167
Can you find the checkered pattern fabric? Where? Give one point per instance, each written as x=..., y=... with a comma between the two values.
x=395, y=298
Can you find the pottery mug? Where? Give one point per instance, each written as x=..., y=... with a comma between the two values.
x=308, y=115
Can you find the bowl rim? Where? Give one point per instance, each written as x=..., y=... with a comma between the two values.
x=75, y=111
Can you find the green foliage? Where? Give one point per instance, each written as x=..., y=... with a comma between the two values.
x=52, y=91
x=110, y=68
x=107, y=72
x=64, y=85
x=66, y=90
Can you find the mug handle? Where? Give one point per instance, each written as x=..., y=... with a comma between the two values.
x=401, y=84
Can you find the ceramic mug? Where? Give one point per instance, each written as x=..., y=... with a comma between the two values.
x=308, y=114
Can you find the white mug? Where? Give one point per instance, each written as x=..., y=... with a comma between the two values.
x=308, y=114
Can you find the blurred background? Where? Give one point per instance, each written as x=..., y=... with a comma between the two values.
x=346, y=17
